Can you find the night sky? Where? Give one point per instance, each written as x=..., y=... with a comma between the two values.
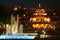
x=30, y=3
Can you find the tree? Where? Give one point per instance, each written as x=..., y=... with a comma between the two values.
x=4, y=14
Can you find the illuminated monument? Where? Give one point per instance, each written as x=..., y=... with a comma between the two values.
x=41, y=20
x=15, y=31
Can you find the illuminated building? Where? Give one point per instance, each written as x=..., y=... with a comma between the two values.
x=41, y=20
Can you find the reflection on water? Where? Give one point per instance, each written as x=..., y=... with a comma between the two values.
x=16, y=37
x=44, y=36
x=47, y=37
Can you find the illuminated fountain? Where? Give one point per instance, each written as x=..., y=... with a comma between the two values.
x=12, y=30
x=38, y=21
x=21, y=29
x=15, y=25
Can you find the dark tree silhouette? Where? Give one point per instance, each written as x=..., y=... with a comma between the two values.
x=4, y=14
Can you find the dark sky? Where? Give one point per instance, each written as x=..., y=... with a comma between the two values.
x=30, y=3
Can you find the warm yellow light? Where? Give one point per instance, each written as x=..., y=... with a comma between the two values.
x=43, y=10
x=52, y=27
x=40, y=10
x=36, y=11
x=44, y=26
x=7, y=28
x=34, y=19
x=44, y=13
x=36, y=14
x=4, y=26
x=37, y=26
x=30, y=19
x=47, y=19
x=7, y=25
x=42, y=36
x=15, y=9
x=53, y=13
x=24, y=15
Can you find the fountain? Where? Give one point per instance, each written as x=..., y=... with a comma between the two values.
x=12, y=30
